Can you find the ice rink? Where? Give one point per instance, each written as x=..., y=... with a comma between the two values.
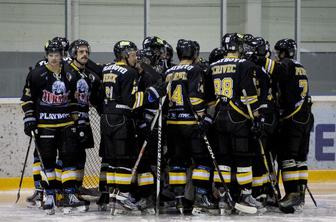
x=324, y=193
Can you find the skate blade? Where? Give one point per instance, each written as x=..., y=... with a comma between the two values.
x=197, y=211
x=148, y=211
x=180, y=210
x=122, y=212
x=102, y=207
x=69, y=210
x=36, y=204
x=245, y=209
x=50, y=211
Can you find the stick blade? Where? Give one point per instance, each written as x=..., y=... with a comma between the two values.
x=245, y=209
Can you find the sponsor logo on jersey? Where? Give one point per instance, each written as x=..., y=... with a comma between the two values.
x=58, y=96
x=82, y=93
x=54, y=116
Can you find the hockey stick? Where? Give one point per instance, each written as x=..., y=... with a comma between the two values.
x=23, y=170
x=135, y=167
x=262, y=150
x=311, y=195
x=232, y=203
x=158, y=167
x=43, y=171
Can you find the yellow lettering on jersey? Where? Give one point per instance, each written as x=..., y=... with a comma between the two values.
x=110, y=77
x=299, y=71
x=27, y=92
x=223, y=69
x=176, y=76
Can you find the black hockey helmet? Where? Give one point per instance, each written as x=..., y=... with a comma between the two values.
x=156, y=46
x=268, y=49
x=144, y=55
x=64, y=41
x=169, y=50
x=53, y=46
x=250, y=47
x=216, y=54
x=122, y=48
x=288, y=46
x=75, y=45
x=261, y=47
x=185, y=49
x=247, y=37
x=233, y=42
x=197, y=45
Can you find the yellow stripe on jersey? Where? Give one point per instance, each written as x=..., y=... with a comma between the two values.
x=138, y=100
x=249, y=99
x=55, y=125
x=25, y=103
x=238, y=110
x=195, y=101
x=183, y=122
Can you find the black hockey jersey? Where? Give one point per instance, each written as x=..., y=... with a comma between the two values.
x=120, y=85
x=86, y=90
x=186, y=89
x=292, y=83
x=48, y=98
x=231, y=77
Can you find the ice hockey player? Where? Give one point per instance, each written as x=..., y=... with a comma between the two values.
x=216, y=54
x=186, y=98
x=86, y=90
x=148, y=76
x=121, y=97
x=36, y=198
x=296, y=121
x=167, y=61
x=234, y=89
x=263, y=125
x=154, y=48
x=47, y=103
x=65, y=43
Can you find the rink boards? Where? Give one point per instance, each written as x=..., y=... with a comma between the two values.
x=13, y=143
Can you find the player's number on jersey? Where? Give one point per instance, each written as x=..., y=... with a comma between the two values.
x=223, y=87
x=303, y=83
x=177, y=97
x=109, y=92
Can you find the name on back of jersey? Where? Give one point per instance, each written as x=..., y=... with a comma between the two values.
x=115, y=67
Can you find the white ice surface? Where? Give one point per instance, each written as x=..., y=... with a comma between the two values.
x=326, y=212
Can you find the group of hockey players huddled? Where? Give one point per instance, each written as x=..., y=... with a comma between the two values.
x=223, y=125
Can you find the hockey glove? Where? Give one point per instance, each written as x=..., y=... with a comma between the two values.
x=258, y=126
x=205, y=124
x=156, y=91
x=30, y=125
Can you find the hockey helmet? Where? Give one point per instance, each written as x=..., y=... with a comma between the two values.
x=122, y=48
x=233, y=42
x=73, y=48
x=288, y=46
x=169, y=50
x=216, y=54
x=53, y=46
x=185, y=49
x=64, y=41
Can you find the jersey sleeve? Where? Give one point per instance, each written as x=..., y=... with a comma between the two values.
x=248, y=88
x=27, y=100
x=196, y=89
